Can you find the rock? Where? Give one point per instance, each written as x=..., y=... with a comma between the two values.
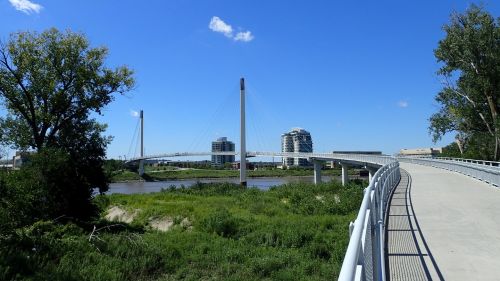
x=163, y=224
x=119, y=214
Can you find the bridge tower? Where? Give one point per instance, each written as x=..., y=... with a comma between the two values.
x=141, y=162
x=243, y=149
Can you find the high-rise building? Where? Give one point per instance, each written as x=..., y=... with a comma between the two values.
x=222, y=145
x=297, y=140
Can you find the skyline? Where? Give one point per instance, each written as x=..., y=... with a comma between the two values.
x=349, y=73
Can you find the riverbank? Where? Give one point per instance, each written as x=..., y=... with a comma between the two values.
x=159, y=175
x=208, y=231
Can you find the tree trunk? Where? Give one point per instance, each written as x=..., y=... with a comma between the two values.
x=494, y=116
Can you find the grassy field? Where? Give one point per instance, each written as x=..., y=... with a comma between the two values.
x=169, y=174
x=216, y=232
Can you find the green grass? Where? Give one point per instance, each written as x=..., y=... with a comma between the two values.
x=205, y=173
x=291, y=232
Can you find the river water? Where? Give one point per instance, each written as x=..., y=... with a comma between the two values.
x=261, y=183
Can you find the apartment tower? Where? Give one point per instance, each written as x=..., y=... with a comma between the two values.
x=222, y=145
x=297, y=140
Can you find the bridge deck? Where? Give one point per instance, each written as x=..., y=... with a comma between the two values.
x=443, y=225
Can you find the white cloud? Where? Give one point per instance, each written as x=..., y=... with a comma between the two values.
x=218, y=25
x=403, y=104
x=26, y=6
x=134, y=113
x=244, y=36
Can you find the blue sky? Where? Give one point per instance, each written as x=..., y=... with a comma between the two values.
x=359, y=75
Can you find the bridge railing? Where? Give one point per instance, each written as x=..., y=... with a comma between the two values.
x=463, y=160
x=378, y=160
x=365, y=256
x=472, y=161
x=484, y=172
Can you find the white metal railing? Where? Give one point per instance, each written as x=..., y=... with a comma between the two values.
x=365, y=255
x=464, y=160
x=481, y=170
x=378, y=160
x=474, y=161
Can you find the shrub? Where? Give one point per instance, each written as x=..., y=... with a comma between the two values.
x=220, y=222
x=49, y=186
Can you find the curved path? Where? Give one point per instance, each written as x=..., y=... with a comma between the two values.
x=443, y=226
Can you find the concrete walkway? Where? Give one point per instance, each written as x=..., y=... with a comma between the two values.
x=454, y=225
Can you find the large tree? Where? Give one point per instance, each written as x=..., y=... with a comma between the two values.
x=470, y=53
x=470, y=99
x=51, y=83
x=51, y=80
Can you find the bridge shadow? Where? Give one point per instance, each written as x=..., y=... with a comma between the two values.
x=408, y=256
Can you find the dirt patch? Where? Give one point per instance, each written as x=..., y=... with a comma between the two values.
x=119, y=214
x=163, y=224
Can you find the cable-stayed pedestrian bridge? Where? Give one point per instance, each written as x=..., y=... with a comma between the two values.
x=370, y=162
x=354, y=158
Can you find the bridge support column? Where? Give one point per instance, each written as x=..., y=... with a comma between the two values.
x=317, y=171
x=371, y=173
x=345, y=175
x=141, y=168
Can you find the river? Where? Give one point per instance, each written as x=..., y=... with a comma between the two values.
x=261, y=183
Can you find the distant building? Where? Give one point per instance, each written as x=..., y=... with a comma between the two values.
x=297, y=140
x=222, y=145
x=421, y=151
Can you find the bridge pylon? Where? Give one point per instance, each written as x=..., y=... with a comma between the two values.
x=141, y=162
x=243, y=149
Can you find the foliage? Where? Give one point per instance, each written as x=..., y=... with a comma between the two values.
x=49, y=186
x=220, y=222
x=476, y=147
x=236, y=234
x=50, y=84
x=451, y=150
x=470, y=99
x=113, y=167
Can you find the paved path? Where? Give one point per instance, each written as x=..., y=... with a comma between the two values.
x=449, y=227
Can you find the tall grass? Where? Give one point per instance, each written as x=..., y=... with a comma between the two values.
x=220, y=232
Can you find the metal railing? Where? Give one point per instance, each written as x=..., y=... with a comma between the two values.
x=482, y=170
x=365, y=256
x=464, y=160
x=474, y=161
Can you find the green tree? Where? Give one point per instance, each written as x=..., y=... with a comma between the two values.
x=470, y=99
x=51, y=83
